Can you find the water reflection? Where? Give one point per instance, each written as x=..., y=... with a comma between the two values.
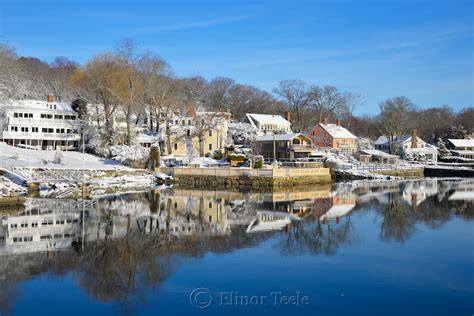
x=119, y=247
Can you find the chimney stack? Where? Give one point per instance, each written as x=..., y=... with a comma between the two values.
x=325, y=121
x=288, y=116
x=338, y=122
x=466, y=136
x=50, y=98
x=414, y=139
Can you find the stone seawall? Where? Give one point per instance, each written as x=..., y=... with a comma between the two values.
x=247, y=178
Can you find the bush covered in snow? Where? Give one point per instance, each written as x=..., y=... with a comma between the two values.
x=242, y=134
x=58, y=157
x=134, y=156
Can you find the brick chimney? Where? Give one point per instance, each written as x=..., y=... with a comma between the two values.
x=191, y=112
x=338, y=122
x=50, y=98
x=466, y=136
x=414, y=139
x=288, y=116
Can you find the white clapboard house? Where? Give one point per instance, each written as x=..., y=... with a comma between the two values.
x=36, y=124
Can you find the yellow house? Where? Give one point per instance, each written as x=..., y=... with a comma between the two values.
x=202, y=134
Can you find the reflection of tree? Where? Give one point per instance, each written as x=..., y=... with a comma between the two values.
x=316, y=237
x=396, y=224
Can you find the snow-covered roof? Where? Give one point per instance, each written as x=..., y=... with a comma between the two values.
x=38, y=105
x=381, y=140
x=146, y=138
x=462, y=142
x=267, y=119
x=279, y=137
x=337, y=211
x=337, y=131
x=375, y=152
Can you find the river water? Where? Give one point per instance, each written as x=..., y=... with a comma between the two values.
x=358, y=248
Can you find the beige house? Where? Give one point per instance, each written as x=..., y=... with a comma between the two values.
x=200, y=133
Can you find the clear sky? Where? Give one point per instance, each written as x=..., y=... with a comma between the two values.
x=422, y=49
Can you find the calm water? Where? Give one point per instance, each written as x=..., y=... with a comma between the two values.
x=392, y=248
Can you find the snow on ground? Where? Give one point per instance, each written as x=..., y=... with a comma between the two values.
x=18, y=157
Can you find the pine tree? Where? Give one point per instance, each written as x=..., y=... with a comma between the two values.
x=442, y=150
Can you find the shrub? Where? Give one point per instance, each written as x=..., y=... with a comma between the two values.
x=58, y=157
x=217, y=155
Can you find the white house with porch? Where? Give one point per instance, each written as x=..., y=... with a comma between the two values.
x=36, y=124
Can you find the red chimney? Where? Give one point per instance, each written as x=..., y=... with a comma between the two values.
x=288, y=116
x=414, y=139
x=338, y=122
x=192, y=112
x=50, y=98
x=466, y=136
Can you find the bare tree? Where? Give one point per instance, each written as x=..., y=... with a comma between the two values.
x=296, y=96
x=325, y=101
x=394, y=117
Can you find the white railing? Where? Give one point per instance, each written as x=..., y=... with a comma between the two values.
x=39, y=135
x=42, y=122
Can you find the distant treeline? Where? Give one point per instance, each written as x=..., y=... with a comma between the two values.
x=132, y=81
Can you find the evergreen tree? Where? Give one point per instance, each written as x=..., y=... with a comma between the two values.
x=442, y=150
x=79, y=105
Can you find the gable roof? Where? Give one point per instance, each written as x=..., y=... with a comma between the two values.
x=379, y=153
x=337, y=131
x=267, y=119
x=38, y=105
x=281, y=137
x=462, y=142
x=381, y=140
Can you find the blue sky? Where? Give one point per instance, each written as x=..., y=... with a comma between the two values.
x=380, y=49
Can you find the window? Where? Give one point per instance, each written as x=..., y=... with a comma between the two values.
x=58, y=117
x=175, y=146
x=30, y=115
x=35, y=129
x=24, y=129
x=210, y=146
x=46, y=116
x=14, y=128
x=210, y=204
x=188, y=132
x=210, y=218
x=210, y=133
x=15, y=115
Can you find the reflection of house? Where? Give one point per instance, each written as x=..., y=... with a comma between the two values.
x=270, y=220
x=462, y=147
x=408, y=146
x=47, y=125
x=333, y=136
x=341, y=206
x=268, y=124
x=416, y=192
x=44, y=225
x=374, y=155
x=284, y=146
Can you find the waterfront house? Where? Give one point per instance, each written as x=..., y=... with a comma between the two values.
x=461, y=147
x=284, y=146
x=197, y=132
x=269, y=124
x=328, y=135
x=408, y=147
x=40, y=124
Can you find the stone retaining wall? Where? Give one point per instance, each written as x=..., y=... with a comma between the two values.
x=255, y=179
